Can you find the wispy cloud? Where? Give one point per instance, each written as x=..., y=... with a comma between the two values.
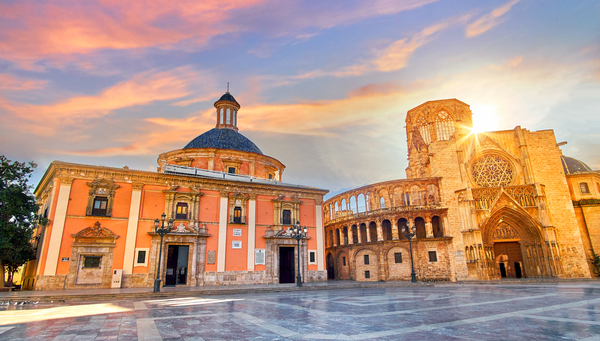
x=490, y=20
x=10, y=82
x=142, y=89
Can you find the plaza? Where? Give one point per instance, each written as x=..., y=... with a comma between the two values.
x=564, y=310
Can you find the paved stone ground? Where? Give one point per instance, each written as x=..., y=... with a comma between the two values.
x=564, y=311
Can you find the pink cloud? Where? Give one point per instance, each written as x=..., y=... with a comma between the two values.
x=490, y=20
x=10, y=82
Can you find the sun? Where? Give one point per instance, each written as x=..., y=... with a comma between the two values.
x=484, y=118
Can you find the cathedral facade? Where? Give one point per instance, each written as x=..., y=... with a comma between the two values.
x=228, y=213
x=481, y=206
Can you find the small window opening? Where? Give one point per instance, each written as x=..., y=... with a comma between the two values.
x=312, y=257
x=366, y=259
x=92, y=261
x=237, y=215
x=270, y=176
x=287, y=217
x=141, y=259
x=100, y=205
x=398, y=257
x=432, y=256
x=344, y=261
x=584, y=187
x=367, y=274
x=231, y=170
x=181, y=212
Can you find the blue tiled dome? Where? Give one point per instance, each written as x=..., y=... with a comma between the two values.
x=227, y=97
x=224, y=139
x=574, y=166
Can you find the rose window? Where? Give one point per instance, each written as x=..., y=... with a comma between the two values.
x=492, y=171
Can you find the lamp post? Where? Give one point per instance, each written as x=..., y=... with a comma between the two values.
x=298, y=233
x=410, y=233
x=162, y=231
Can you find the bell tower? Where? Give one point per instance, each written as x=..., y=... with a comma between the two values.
x=227, y=111
x=430, y=127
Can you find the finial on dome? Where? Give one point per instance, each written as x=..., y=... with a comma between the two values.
x=227, y=87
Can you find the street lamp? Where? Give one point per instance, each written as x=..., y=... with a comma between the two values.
x=298, y=232
x=410, y=233
x=162, y=231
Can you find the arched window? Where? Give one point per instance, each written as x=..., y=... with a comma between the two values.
x=423, y=127
x=235, y=117
x=337, y=237
x=227, y=117
x=415, y=195
x=363, y=233
x=361, y=203
x=436, y=225
x=382, y=202
x=420, y=225
x=330, y=238
x=354, y=235
x=386, y=226
x=444, y=126
x=221, y=116
x=345, y=235
x=337, y=208
x=373, y=231
x=402, y=227
x=353, y=204
x=367, y=199
x=433, y=197
x=584, y=188
x=344, y=207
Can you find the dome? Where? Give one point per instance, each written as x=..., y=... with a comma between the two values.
x=573, y=166
x=227, y=97
x=224, y=139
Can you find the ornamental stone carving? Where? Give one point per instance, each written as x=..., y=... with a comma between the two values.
x=505, y=231
x=492, y=171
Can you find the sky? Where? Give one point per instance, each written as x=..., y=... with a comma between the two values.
x=324, y=86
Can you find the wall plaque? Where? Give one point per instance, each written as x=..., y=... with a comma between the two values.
x=259, y=256
x=211, y=257
x=237, y=232
x=236, y=244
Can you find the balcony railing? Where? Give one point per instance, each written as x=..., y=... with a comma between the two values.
x=341, y=216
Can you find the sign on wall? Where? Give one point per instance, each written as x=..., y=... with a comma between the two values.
x=236, y=244
x=259, y=256
x=237, y=232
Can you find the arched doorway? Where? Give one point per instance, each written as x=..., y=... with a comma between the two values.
x=330, y=267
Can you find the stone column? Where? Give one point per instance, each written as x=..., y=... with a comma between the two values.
x=428, y=227
x=222, y=243
x=42, y=242
x=350, y=236
x=251, y=232
x=395, y=235
x=359, y=234
x=132, y=228
x=58, y=227
x=368, y=231
x=379, y=231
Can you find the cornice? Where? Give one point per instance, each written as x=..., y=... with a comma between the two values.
x=139, y=178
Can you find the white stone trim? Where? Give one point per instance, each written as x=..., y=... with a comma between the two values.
x=58, y=227
x=132, y=226
x=45, y=229
x=320, y=242
x=251, y=233
x=135, y=255
x=222, y=245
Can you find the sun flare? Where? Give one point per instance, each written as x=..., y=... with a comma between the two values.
x=484, y=118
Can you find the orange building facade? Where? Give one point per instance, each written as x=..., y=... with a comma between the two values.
x=231, y=214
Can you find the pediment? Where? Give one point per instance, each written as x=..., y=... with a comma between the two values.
x=95, y=231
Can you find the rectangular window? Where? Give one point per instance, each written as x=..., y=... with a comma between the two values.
x=367, y=274
x=141, y=256
x=182, y=210
x=100, y=206
x=270, y=176
x=91, y=262
x=398, y=257
x=237, y=215
x=432, y=256
x=366, y=259
x=312, y=257
x=231, y=170
x=287, y=217
x=344, y=261
x=584, y=187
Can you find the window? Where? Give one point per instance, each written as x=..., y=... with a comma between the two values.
x=141, y=256
x=583, y=186
x=287, y=217
x=270, y=176
x=344, y=261
x=444, y=126
x=221, y=116
x=92, y=262
x=367, y=274
x=366, y=259
x=231, y=170
x=398, y=257
x=237, y=215
x=100, y=206
x=228, y=117
x=181, y=212
x=432, y=256
x=312, y=257
x=382, y=202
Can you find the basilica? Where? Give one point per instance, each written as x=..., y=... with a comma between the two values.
x=473, y=207
x=228, y=214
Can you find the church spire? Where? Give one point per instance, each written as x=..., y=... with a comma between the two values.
x=227, y=110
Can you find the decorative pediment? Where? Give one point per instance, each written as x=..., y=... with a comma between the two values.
x=95, y=231
x=103, y=183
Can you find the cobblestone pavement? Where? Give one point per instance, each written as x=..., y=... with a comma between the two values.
x=569, y=311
